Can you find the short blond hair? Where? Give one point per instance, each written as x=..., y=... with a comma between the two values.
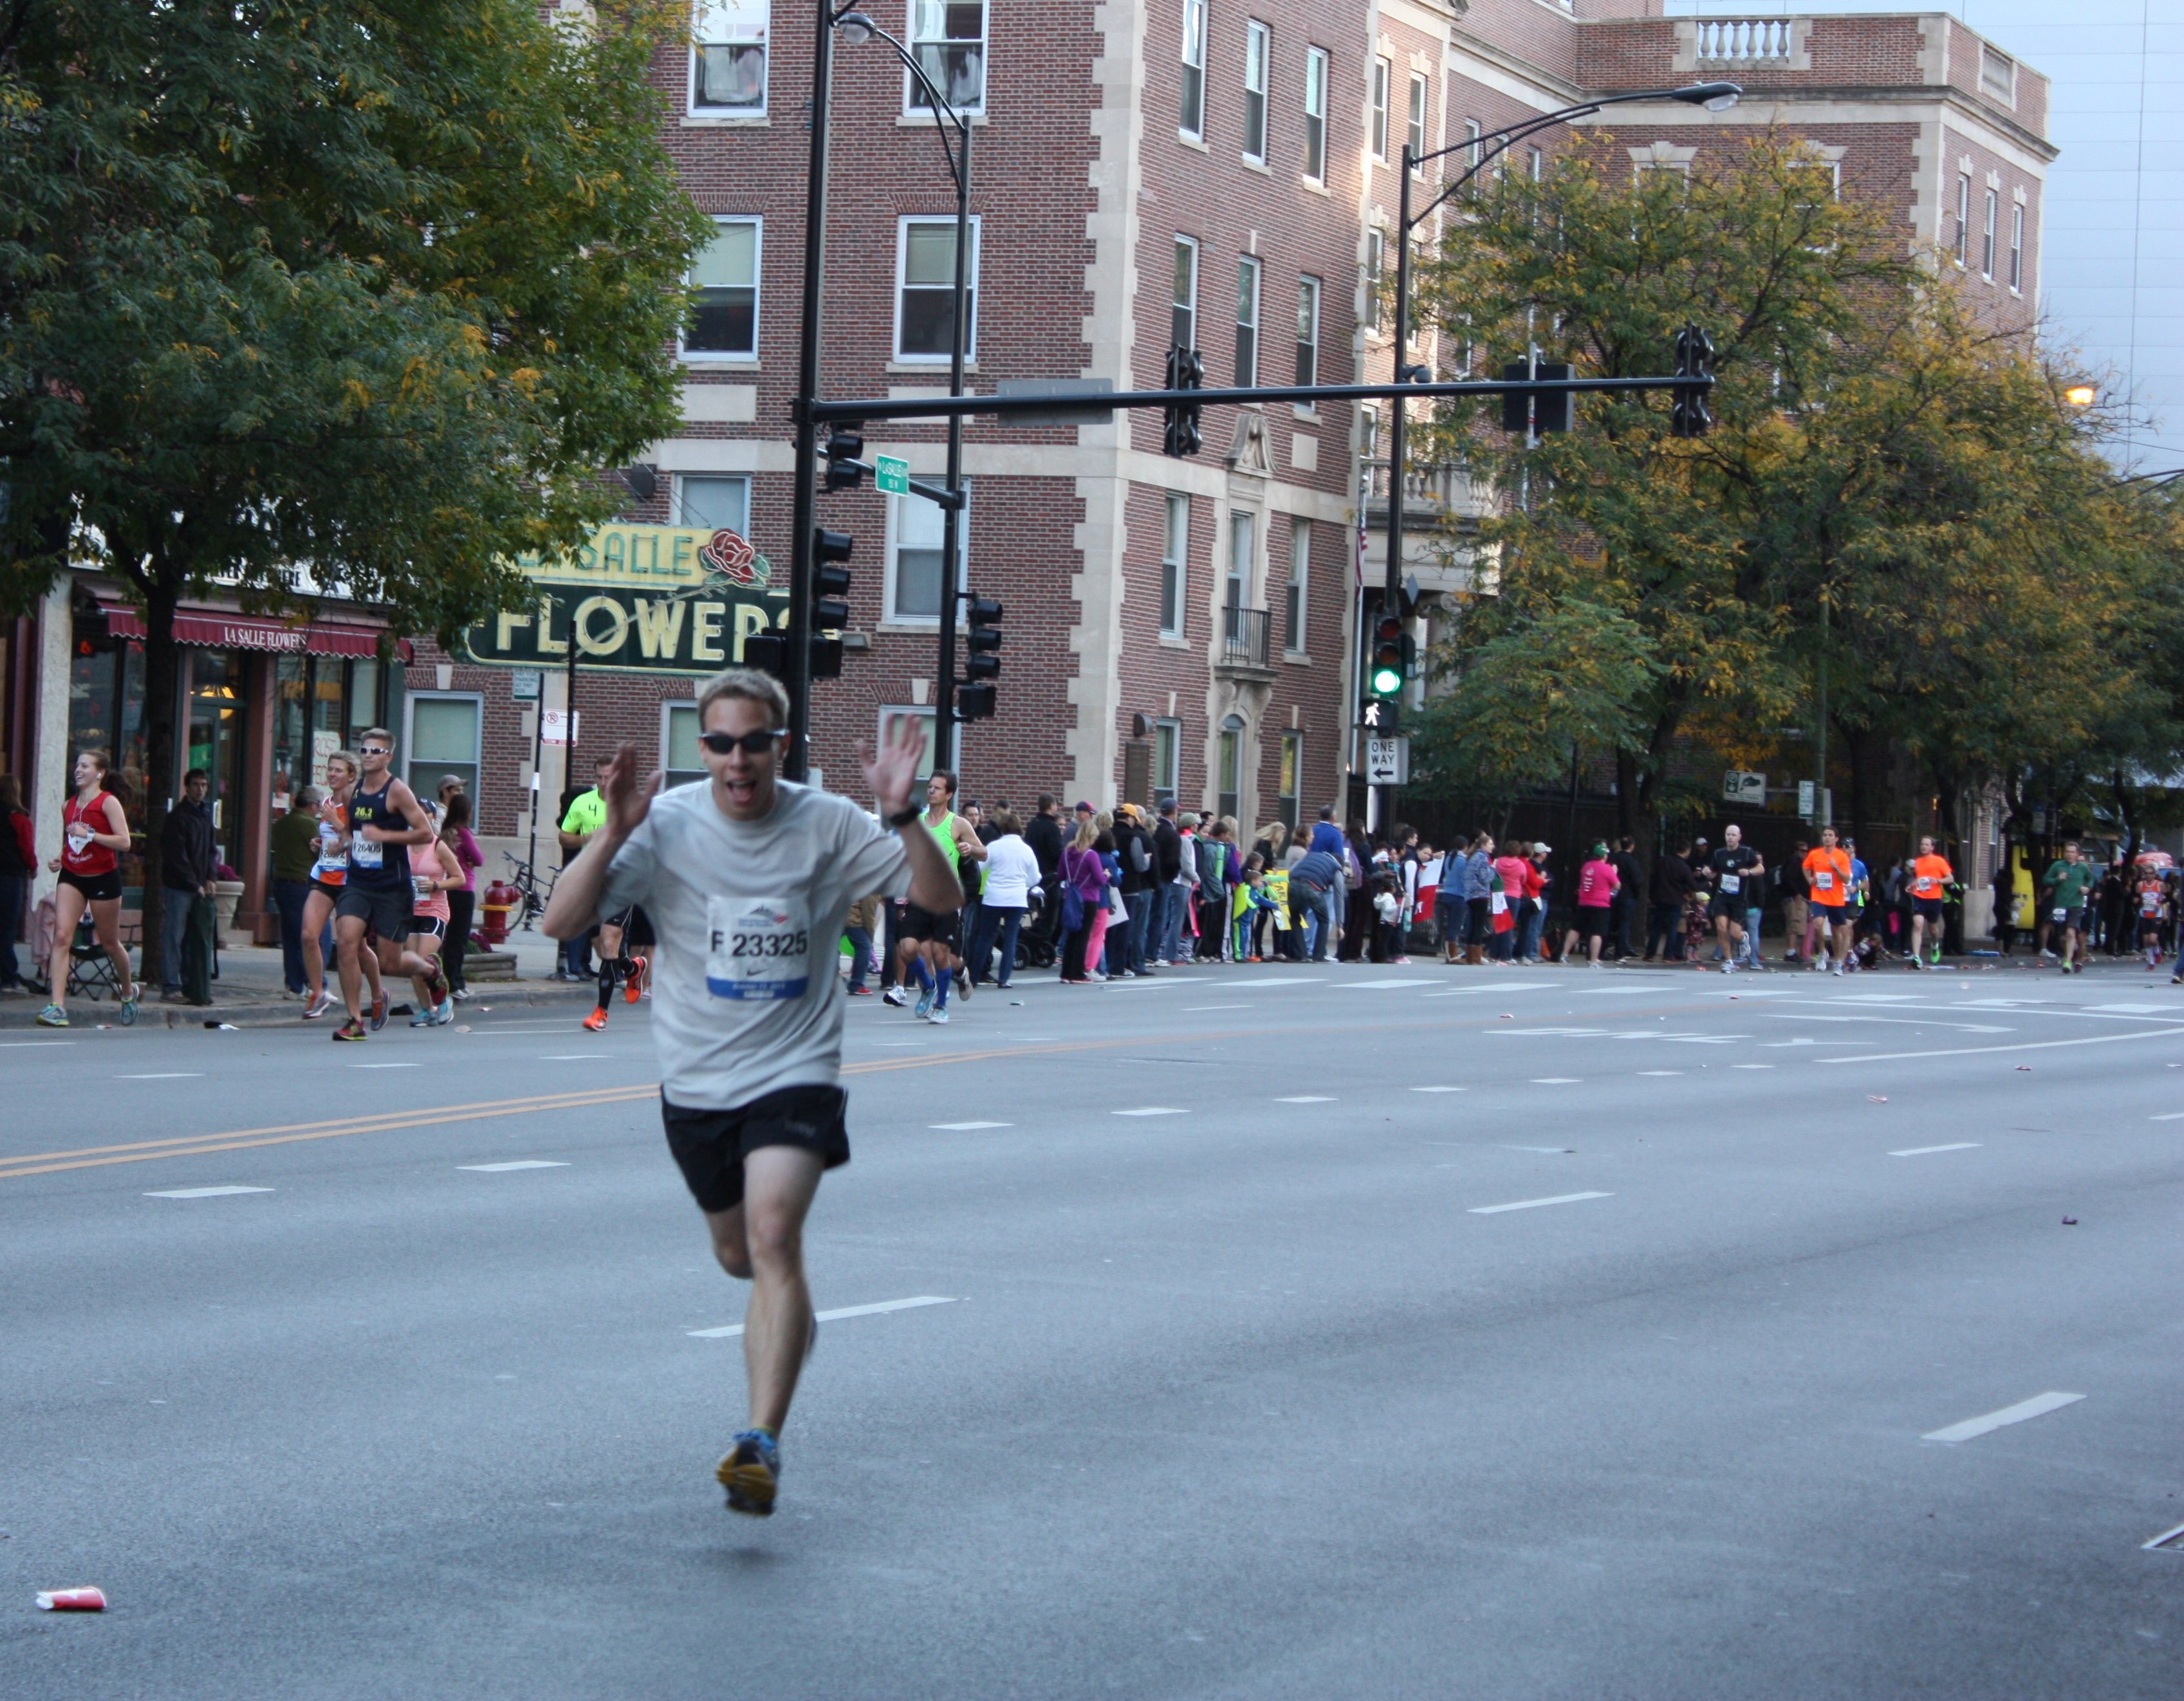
x=753, y=686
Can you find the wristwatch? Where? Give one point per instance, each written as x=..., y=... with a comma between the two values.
x=904, y=816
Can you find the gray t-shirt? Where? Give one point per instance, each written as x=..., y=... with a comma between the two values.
x=745, y=1000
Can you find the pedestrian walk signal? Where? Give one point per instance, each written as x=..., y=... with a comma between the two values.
x=830, y=604
x=1185, y=371
x=1690, y=417
x=1389, y=663
x=975, y=698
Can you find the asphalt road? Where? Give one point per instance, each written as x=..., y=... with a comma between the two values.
x=1307, y=1332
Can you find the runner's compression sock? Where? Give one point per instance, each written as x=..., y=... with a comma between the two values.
x=940, y=998
x=924, y=975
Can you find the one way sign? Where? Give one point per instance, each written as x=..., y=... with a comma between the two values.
x=1388, y=761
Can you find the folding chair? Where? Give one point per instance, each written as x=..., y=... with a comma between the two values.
x=91, y=970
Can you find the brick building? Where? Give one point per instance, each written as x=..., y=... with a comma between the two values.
x=1150, y=171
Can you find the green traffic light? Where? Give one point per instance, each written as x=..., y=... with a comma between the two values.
x=1386, y=681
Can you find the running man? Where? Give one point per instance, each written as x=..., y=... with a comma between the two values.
x=620, y=964
x=2153, y=915
x=747, y=879
x=1734, y=864
x=385, y=819
x=2069, y=880
x=327, y=873
x=1827, y=875
x=1930, y=875
x=932, y=940
x=94, y=832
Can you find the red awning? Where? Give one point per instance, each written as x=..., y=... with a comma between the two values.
x=253, y=632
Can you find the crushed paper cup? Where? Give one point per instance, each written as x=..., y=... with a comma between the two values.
x=71, y=1600
x=1878, y=1098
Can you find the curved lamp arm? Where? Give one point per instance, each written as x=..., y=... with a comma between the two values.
x=857, y=27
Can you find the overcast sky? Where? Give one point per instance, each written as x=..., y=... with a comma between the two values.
x=2113, y=281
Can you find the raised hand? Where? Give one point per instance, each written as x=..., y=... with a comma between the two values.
x=627, y=804
x=894, y=770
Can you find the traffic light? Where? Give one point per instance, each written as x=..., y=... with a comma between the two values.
x=1185, y=371
x=1691, y=416
x=1525, y=410
x=1388, y=666
x=830, y=591
x=94, y=631
x=844, y=443
x=975, y=696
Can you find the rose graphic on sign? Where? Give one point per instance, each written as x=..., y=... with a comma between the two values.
x=733, y=559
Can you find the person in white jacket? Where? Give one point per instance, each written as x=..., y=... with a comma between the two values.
x=1012, y=878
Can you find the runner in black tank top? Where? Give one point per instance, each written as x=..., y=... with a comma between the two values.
x=375, y=894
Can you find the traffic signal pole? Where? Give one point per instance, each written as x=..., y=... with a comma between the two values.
x=804, y=514
x=951, y=515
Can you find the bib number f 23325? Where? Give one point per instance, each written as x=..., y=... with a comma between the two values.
x=757, y=948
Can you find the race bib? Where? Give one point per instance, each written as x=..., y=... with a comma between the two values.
x=1924, y=888
x=79, y=835
x=422, y=884
x=1732, y=882
x=365, y=852
x=1497, y=903
x=2057, y=915
x=758, y=948
x=1823, y=881
x=2150, y=904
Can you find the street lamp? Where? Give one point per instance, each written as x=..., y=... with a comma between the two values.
x=1713, y=97
x=855, y=29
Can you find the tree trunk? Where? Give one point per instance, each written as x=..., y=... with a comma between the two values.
x=162, y=672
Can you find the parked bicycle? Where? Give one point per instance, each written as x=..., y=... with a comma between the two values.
x=524, y=880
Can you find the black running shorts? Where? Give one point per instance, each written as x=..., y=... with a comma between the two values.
x=384, y=909
x=941, y=926
x=1929, y=908
x=96, y=888
x=711, y=1145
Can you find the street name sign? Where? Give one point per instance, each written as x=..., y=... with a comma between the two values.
x=1388, y=761
x=891, y=475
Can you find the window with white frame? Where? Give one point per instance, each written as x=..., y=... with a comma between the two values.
x=717, y=501
x=1168, y=758
x=1538, y=162
x=1382, y=73
x=1183, y=317
x=1247, y=321
x=1175, y=565
x=1190, y=119
x=1296, y=592
x=679, y=757
x=925, y=290
x=1368, y=431
x=723, y=325
x=1415, y=133
x=2017, y=246
x=1308, y=337
x=1315, y=114
x=1987, y=235
x=1243, y=548
x=441, y=739
x=727, y=58
x=1376, y=306
x=1258, y=49
x=948, y=39
x=914, y=532
x=1474, y=140
x=1964, y=242
x=1286, y=789
x=1230, y=799
x=891, y=720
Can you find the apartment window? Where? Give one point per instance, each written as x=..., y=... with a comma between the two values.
x=1417, y=133
x=727, y=57
x=1182, y=316
x=948, y=38
x=1376, y=245
x=1307, y=343
x=1191, y=121
x=1538, y=162
x=1257, y=50
x=1230, y=796
x=914, y=556
x=441, y=738
x=1368, y=431
x=1963, y=217
x=1295, y=592
x=1243, y=546
x=2017, y=247
x=1167, y=763
x=714, y=502
x=1474, y=140
x=1382, y=72
x=1247, y=322
x=723, y=326
x=891, y=721
x=1987, y=235
x=1315, y=114
x=678, y=743
x=1175, y=567
x=1286, y=784
x=925, y=290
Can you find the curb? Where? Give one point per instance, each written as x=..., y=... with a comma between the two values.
x=264, y=1014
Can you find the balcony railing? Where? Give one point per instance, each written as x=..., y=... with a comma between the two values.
x=1745, y=40
x=1444, y=489
x=1244, y=635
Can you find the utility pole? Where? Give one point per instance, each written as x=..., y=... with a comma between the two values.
x=804, y=516
x=951, y=517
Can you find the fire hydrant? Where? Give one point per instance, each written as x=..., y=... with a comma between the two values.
x=500, y=897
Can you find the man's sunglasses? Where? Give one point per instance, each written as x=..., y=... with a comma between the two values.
x=750, y=743
x=374, y=750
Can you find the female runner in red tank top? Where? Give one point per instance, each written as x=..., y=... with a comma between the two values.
x=94, y=831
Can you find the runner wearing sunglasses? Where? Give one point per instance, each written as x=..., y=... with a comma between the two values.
x=747, y=880
x=385, y=819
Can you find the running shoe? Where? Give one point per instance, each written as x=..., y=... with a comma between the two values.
x=751, y=1473
x=939, y=1013
x=315, y=1008
x=53, y=1016
x=924, y=1005
x=895, y=995
x=128, y=1012
x=634, y=989
x=446, y=1013
x=351, y=1029
x=436, y=987
x=423, y=1019
x=861, y=991
x=379, y=1011
x=962, y=983
x=597, y=1019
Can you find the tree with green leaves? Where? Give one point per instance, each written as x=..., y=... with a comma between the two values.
x=358, y=298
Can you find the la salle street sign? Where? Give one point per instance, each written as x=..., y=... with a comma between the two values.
x=639, y=599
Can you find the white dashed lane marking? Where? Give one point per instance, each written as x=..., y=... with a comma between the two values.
x=1921, y=1151
x=203, y=1192
x=732, y=1329
x=517, y=1163
x=1152, y=1110
x=965, y=1127
x=2038, y=1406
x=1534, y=1204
